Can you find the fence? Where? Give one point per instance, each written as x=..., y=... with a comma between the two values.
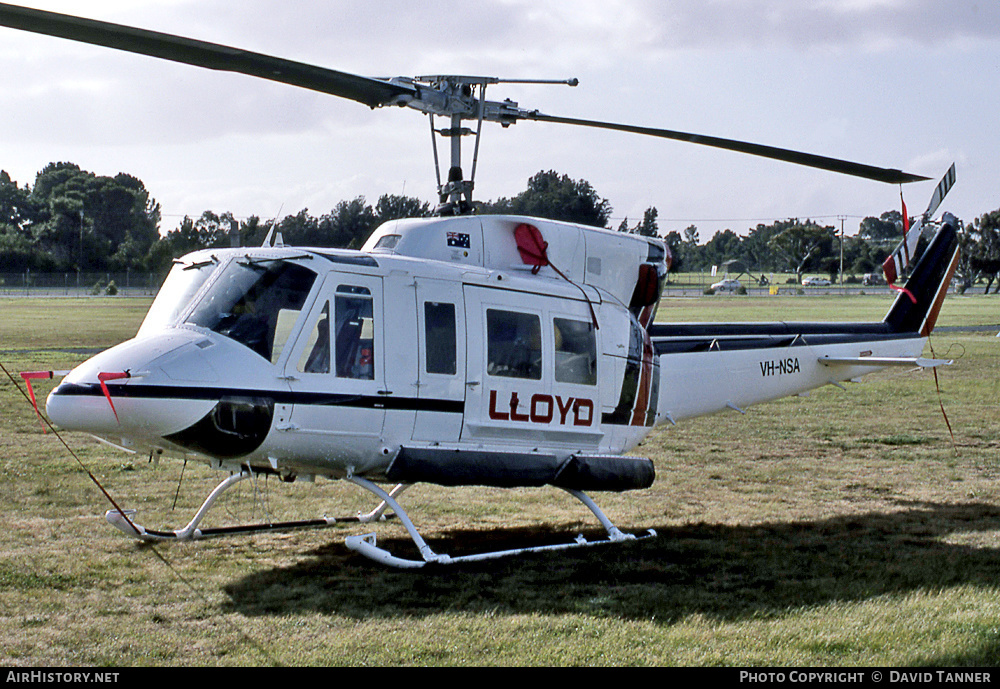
x=80, y=284
x=696, y=284
x=147, y=284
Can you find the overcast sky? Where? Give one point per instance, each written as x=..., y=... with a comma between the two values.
x=912, y=84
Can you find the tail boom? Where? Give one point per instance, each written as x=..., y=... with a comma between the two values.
x=711, y=367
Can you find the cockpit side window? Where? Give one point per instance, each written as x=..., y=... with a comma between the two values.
x=255, y=303
x=316, y=356
x=354, y=325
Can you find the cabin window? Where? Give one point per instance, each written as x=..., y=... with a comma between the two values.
x=514, y=344
x=354, y=343
x=576, y=351
x=255, y=302
x=387, y=242
x=316, y=354
x=439, y=338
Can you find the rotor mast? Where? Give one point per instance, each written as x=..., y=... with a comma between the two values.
x=463, y=98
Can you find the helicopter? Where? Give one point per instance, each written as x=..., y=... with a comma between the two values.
x=456, y=350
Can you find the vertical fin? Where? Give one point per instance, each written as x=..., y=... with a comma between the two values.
x=917, y=309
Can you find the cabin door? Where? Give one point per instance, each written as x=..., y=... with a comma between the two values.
x=441, y=388
x=532, y=371
x=336, y=373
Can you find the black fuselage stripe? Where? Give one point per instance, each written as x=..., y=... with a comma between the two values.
x=322, y=399
x=766, y=328
x=689, y=342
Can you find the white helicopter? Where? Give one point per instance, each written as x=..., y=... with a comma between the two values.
x=459, y=350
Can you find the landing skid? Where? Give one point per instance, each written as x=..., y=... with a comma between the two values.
x=127, y=525
x=366, y=543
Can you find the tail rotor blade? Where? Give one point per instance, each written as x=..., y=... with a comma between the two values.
x=900, y=259
x=943, y=187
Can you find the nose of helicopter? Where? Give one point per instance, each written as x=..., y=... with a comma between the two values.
x=135, y=391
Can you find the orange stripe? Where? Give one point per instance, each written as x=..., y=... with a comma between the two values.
x=641, y=408
x=939, y=299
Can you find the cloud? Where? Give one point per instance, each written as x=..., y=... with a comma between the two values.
x=839, y=24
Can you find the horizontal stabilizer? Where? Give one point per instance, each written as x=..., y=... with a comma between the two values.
x=881, y=361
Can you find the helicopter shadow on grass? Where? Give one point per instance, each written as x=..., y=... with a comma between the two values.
x=723, y=572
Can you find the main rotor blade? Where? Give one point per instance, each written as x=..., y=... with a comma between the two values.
x=846, y=167
x=371, y=92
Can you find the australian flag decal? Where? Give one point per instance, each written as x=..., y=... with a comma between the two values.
x=458, y=239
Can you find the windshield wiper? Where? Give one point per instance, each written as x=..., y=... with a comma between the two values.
x=195, y=266
x=253, y=262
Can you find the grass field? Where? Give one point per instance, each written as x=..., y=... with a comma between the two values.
x=843, y=528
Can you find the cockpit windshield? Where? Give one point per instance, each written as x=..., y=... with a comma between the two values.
x=182, y=283
x=255, y=303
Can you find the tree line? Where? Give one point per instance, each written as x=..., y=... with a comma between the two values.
x=799, y=246
x=74, y=220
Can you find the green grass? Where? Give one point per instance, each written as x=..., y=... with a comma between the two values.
x=839, y=529
x=69, y=322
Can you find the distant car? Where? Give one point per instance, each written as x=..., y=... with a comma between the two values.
x=872, y=279
x=815, y=282
x=727, y=285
